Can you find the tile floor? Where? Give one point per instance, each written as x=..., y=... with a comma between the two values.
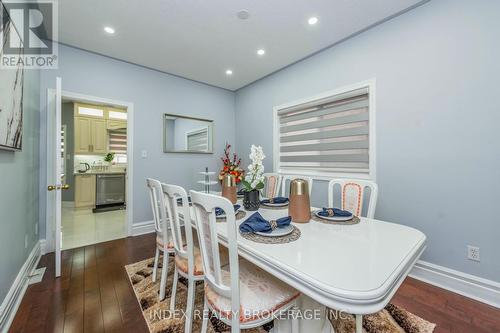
x=81, y=227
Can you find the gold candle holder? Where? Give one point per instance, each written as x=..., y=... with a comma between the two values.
x=229, y=188
x=299, y=207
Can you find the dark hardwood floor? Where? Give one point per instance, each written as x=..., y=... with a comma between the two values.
x=94, y=295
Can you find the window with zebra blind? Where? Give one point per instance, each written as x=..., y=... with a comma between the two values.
x=118, y=144
x=329, y=135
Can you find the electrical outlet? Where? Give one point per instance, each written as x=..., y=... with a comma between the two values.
x=473, y=253
x=26, y=241
x=144, y=153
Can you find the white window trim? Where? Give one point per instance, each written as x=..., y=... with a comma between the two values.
x=370, y=84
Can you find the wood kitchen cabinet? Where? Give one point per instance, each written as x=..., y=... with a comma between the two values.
x=91, y=135
x=99, y=135
x=83, y=139
x=84, y=191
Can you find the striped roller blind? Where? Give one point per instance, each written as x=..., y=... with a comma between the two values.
x=197, y=140
x=330, y=135
x=118, y=141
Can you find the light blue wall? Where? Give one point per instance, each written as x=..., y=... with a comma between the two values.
x=438, y=118
x=153, y=93
x=19, y=189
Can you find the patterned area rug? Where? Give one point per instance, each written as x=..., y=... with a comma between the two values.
x=159, y=319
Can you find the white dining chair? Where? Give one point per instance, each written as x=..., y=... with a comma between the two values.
x=239, y=294
x=352, y=195
x=187, y=257
x=163, y=243
x=272, y=185
x=289, y=178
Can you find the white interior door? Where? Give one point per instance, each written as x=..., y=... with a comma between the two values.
x=55, y=177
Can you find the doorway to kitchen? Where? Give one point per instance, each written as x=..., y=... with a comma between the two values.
x=94, y=164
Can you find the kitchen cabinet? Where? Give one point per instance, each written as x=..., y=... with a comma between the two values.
x=85, y=191
x=91, y=135
x=99, y=135
x=82, y=135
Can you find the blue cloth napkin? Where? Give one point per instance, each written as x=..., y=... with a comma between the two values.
x=257, y=223
x=277, y=200
x=219, y=211
x=336, y=212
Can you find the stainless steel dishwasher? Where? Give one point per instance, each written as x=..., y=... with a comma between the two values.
x=110, y=191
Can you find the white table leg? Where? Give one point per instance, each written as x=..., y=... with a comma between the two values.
x=359, y=323
x=311, y=317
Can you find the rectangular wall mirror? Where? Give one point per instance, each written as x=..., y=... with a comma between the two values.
x=183, y=134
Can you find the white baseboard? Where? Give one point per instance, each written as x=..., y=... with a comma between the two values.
x=16, y=292
x=482, y=290
x=43, y=246
x=142, y=228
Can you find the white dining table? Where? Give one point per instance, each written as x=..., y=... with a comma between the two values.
x=356, y=268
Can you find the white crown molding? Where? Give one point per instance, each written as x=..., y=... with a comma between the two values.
x=141, y=228
x=16, y=292
x=479, y=289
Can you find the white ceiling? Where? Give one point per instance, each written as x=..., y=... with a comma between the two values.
x=200, y=39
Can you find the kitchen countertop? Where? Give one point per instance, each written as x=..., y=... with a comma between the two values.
x=100, y=173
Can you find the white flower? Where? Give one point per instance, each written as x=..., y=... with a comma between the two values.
x=255, y=174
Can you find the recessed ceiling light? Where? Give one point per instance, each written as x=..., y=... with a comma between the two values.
x=312, y=20
x=261, y=52
x=229, y=72
x=109, y=30
x=243, y=14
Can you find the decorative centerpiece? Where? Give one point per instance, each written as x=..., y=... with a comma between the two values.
x=254, y=179
x=231, y=166
x=229, y=188
x=207, y=182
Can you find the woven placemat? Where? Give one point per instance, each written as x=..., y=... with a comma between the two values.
x=273, y=208
x=354, y=220
x=241, y=214
x=293, y=236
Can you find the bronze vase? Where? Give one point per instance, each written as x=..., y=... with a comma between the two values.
x=229, y=188
x=299, y=207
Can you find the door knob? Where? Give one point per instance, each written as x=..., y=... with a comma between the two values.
x=58, y=187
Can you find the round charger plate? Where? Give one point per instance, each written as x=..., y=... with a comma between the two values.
x=283, y=204
x=333, y=218
x=293, y=236
x=278, y=232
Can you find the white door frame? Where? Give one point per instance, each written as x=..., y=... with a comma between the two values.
x=82, y=98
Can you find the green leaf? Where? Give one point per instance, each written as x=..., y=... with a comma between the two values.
x=246, y=185
x=259, y=186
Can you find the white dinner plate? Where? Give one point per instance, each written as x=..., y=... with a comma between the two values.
x=282, y=231
x=333, y=218
x=283, y=204
x=222, y=216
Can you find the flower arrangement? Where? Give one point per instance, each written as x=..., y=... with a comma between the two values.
x=231, y=165
x=254, y=179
